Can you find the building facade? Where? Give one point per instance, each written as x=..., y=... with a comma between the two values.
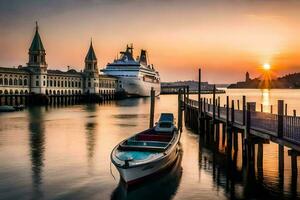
x=36, y=78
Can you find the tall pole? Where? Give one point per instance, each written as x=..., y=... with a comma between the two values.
x=152, y=106
x=199, y=97
x=180, y=109
x=214, y=102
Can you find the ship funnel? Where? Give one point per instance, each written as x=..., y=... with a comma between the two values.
x=143, y=57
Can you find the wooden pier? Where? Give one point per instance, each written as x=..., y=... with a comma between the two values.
x=207, y=117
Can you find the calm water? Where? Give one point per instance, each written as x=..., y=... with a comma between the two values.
x=64, y=153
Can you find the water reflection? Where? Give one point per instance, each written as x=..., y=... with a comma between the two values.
x=247, y=181
x=37, y=148
x=163, y=187
x=91, y=129
x=265, y=99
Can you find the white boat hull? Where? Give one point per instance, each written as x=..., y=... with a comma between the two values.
x=139, y=173
x=134, y=86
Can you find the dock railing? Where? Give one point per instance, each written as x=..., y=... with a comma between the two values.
x=279, y=125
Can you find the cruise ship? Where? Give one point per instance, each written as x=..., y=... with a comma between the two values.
x=136, y=76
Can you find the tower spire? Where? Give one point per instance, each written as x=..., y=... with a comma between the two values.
x=36, y=26
x=36, y=50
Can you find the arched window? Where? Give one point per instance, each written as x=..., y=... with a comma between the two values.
x=1, y=91
x=5, y=81
x=16, y=92
x=15, y=81
x=20, y=81
x=72, y=83
x=62, y=84
x=11, y=91
x=25, y=81
x=10, y=81
x=1, y=81
x=54, y=83
x=5, y=92
x=66, y=84
x=50, y=83
x=21, y=92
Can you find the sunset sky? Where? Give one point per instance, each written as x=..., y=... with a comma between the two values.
x=224, y=37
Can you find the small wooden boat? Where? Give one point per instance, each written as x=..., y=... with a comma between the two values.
x=147, y=152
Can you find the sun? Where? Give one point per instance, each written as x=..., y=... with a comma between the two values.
x=267, y=66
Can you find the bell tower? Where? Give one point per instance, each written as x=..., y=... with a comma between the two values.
x=37, y=54
x=37, y=64
x=91, y=72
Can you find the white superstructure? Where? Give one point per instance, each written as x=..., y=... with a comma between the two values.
x=136, y=76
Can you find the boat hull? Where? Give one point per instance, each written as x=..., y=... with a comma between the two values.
x=140, y=173
x=134, y=86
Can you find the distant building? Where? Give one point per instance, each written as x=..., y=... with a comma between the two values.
x=247, y=77
x=37, y=78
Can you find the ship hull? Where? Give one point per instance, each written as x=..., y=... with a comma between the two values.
x=137, y=87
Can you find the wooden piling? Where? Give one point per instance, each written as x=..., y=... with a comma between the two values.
x=294, y=155
x=152, y=107
x=280, y=118
x=285, y=110
x=244, y=110
x=281, y=161
x=271, y=109
x=219, y=99
x=179, y=110
x=232, y=111
x=227, y=110
x=294, y=113
x=260, y=156
x=214, y=103
x=199, y=101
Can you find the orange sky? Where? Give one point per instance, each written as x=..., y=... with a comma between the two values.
x=225, y=37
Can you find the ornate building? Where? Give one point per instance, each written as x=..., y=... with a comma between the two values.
x=37, y=78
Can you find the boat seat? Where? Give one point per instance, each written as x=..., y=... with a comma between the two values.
x=154, y=137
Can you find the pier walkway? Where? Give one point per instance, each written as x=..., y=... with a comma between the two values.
x=280, y=128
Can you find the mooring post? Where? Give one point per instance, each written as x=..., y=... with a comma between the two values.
x=238, y=104
x=250, y=108
x=281, y=161
x=219, y=99
x=280, y=118
x=179, y=111
x=232, y=111
x=260, y=156
x=294, y=113
x=294, y=155
x=214, y=103
x=227, y=111
x=152, y=107
x=271, y=109
x=261, y=108
x=244, y=110
x=285, y=110
x=199, y=101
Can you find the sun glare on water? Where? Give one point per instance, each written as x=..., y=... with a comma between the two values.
x=267, y=66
